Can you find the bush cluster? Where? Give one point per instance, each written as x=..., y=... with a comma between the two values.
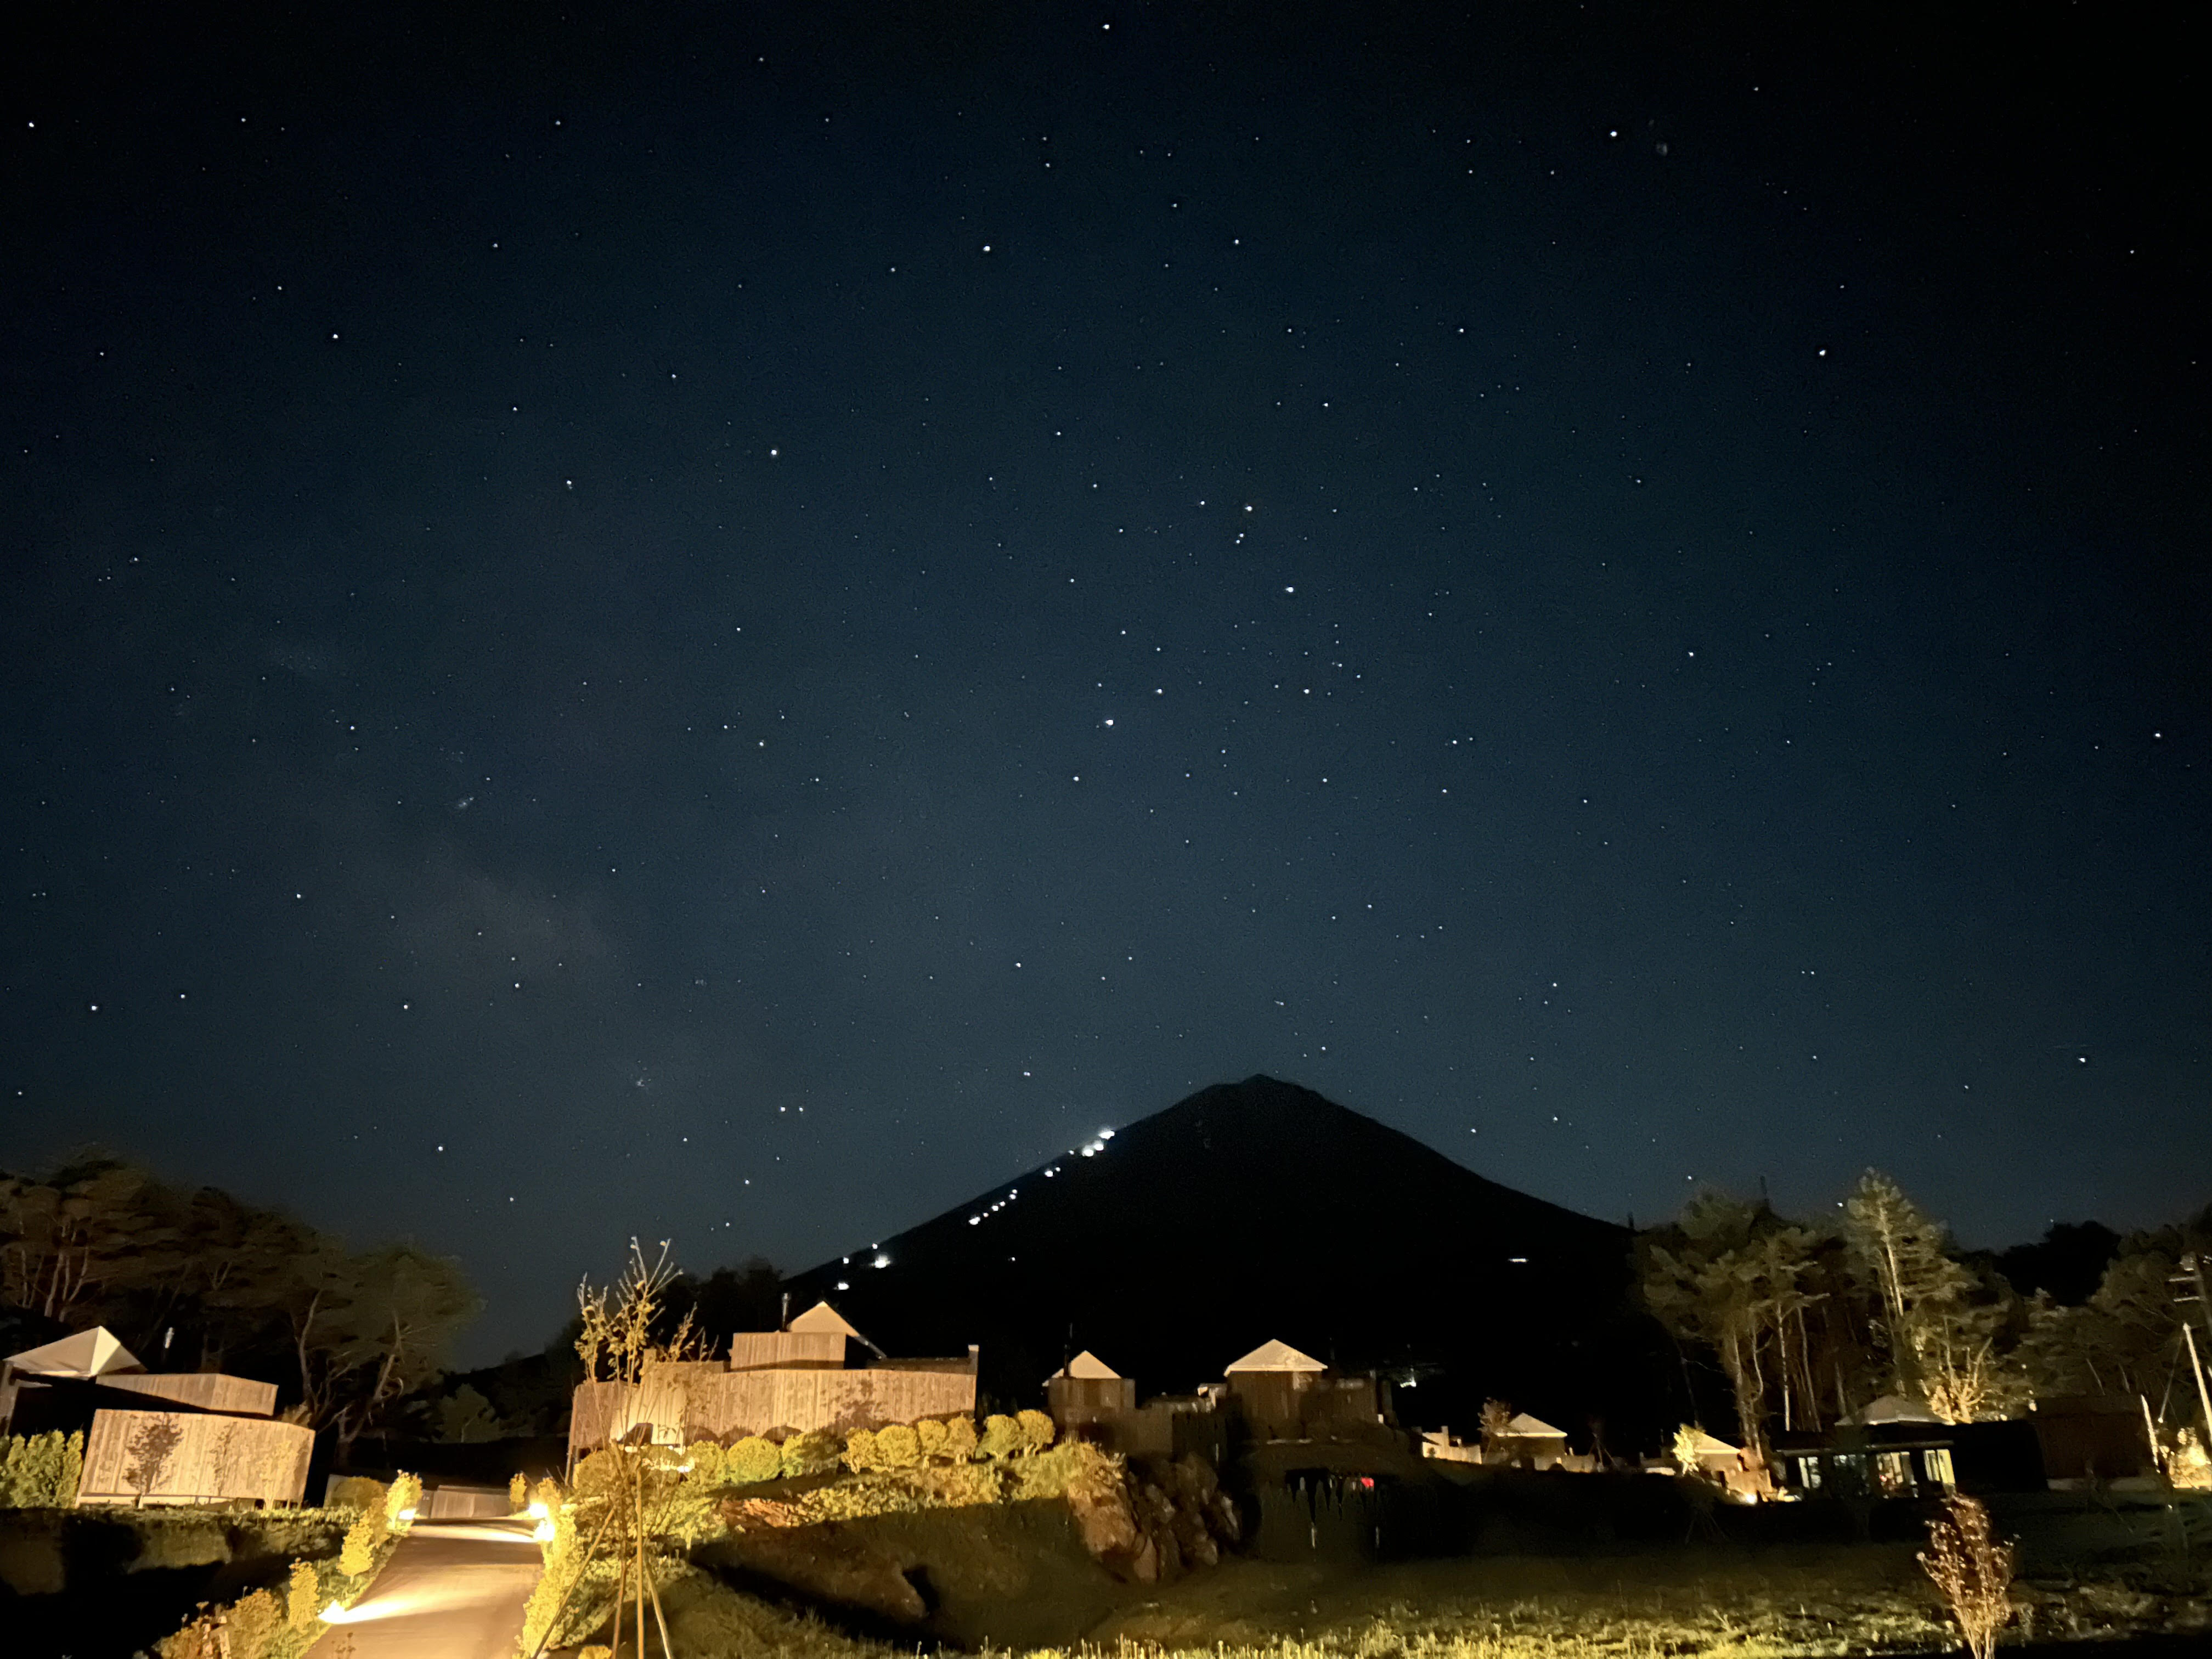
x=40, y=1471
x=366, y=1536
x=281, y=1622
x=897, y=1447
x=403, y=1501
x=356, y=1492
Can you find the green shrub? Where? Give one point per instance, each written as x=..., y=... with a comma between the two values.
x=931, y=1435
x=363, y=1541
x=1038, y=1430
x=1002, y=1436
x=897, y=1447
x=813, y=1453
x=357, y=1491
x=40, y=1471
x=860, y=1450
x=303, y=1597
x=1073, y=1468
x=252, y=1625
x=959, y=1439
x=755, y=1458
x=962, y=1486
x=404, y=1501
x=709, y=1464
x=178, y=1538
x=200, y=1639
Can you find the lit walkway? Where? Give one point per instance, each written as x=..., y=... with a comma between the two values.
x=453, y=1589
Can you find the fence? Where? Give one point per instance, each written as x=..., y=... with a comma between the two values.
x=193, y=1457
x=689, y=1403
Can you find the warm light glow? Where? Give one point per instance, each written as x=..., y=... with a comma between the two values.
x=405, y=1516
x=335, y=1615
x=537, y=1512
x=882, y=1262
x=542, y=1533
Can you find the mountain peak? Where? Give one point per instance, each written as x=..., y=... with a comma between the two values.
x=1243, y=1213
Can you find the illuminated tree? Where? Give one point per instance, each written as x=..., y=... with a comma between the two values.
x=1733, y=1277
x=623, y=1326
x=1940, y=1325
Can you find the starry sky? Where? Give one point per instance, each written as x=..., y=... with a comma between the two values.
x=732, y=622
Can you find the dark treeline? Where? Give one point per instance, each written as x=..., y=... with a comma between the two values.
x=358, y=1342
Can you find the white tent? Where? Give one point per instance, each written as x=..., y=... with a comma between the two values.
x=822, y=1320
x=1088, y=1367
x=1889, y=1408
x=1275, y=1356
x=95, y=1352
x=1527, y=1427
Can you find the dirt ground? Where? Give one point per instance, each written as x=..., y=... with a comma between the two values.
x=1795, y=1599
x=1017, y=1580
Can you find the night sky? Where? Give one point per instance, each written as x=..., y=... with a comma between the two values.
x=733, y=622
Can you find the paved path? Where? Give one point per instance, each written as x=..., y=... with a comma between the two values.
x=453, y=1589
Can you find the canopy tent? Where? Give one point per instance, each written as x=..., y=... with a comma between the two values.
x=95, y=1352
x=1526, y=1427
x=823, y=1319
x=1088, y=1367
x=1889, y=1408
x=1274, y=1356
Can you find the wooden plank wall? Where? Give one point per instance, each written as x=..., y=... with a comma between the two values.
x=729, y=1404
x=752, y=1402
x=207, y=1459
x=753, y=1351
x=212, y=1391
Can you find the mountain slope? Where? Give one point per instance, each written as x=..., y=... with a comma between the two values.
x=1250, y=1211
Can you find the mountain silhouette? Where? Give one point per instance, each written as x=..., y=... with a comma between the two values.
x=1255, y=1209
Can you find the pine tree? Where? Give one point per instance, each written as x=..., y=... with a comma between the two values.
x=1940, y=1325
x=1732, y=1276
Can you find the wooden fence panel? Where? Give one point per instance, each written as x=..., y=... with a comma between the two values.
x=193, y=1457
x=727, y=1405
x=211, y=1391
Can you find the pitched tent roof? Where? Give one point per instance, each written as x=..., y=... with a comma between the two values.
x=1274, y=1356
x=1535, y=1427
x=95, y=1353
x=1088, y=1367
x=1711, y=1445
x=821, y=1319
x=1891, y=1408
